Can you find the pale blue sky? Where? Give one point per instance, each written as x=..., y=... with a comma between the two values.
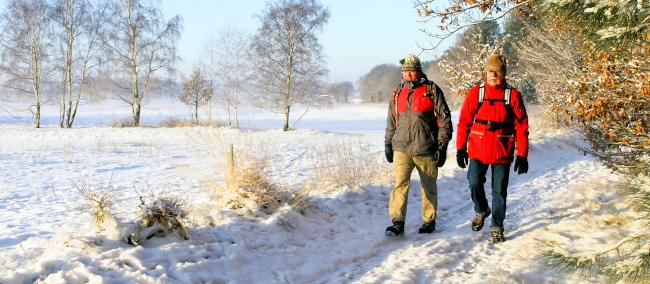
x=359, y=35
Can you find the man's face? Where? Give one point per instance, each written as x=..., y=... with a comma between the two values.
x=410, y=75
x=495, y=78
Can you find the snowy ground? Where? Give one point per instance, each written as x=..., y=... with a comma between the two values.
x=566, y=196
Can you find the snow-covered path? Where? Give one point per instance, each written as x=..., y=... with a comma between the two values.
x=44, y=238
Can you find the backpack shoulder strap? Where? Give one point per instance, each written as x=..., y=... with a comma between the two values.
x=481, y=97
x=432, y=93
x=396, y=92
x=506, y=96
x=431, y=90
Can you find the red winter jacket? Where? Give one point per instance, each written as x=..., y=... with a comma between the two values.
x=493, y=145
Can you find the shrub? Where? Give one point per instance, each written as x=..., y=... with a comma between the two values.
x=163, y=216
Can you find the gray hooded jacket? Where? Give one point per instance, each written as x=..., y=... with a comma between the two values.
x=422, y=123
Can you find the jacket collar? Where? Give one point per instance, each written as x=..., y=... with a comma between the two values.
x=498, y=87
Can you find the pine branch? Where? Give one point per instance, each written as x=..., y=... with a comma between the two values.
x=558, y=258
x=628, y=260
x=641, y=198
x=635, y=268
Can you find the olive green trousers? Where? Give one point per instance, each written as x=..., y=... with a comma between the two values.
x=428, y=170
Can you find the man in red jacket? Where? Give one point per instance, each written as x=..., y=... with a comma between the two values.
x=418, y=130
x=494, y=120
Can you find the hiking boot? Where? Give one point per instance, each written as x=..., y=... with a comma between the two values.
x=395, y=230
x=427, y=227
x=479, y=219
x=497, y=237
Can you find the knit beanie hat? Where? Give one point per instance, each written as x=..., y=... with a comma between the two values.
x=411, y=63
x=496, y=62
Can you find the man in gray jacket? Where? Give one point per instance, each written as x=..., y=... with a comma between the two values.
x=418, y=130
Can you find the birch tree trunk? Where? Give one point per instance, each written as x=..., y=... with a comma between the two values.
x=66, y=97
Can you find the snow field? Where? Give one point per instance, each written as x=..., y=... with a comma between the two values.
x=566, y=196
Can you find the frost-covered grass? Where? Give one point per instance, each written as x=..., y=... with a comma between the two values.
x=565, y=197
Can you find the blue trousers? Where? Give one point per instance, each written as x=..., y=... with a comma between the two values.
x=500, y=175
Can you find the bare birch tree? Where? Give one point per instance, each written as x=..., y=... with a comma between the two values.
x=142, y=43
x=287, y=55
x=230, y=67
x=78, y=23
x=26, y=43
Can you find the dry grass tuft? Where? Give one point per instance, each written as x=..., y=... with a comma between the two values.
x=243, y=180
x=173, y=122
x=251, y=183
x=123, y=123
x=301, y=200
x=98, y=203
x=349, y=163
x=248, y=184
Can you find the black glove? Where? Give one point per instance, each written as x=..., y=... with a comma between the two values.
x=388, y=149
x=521, y=165
x=442, y=155
x=462, y=158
